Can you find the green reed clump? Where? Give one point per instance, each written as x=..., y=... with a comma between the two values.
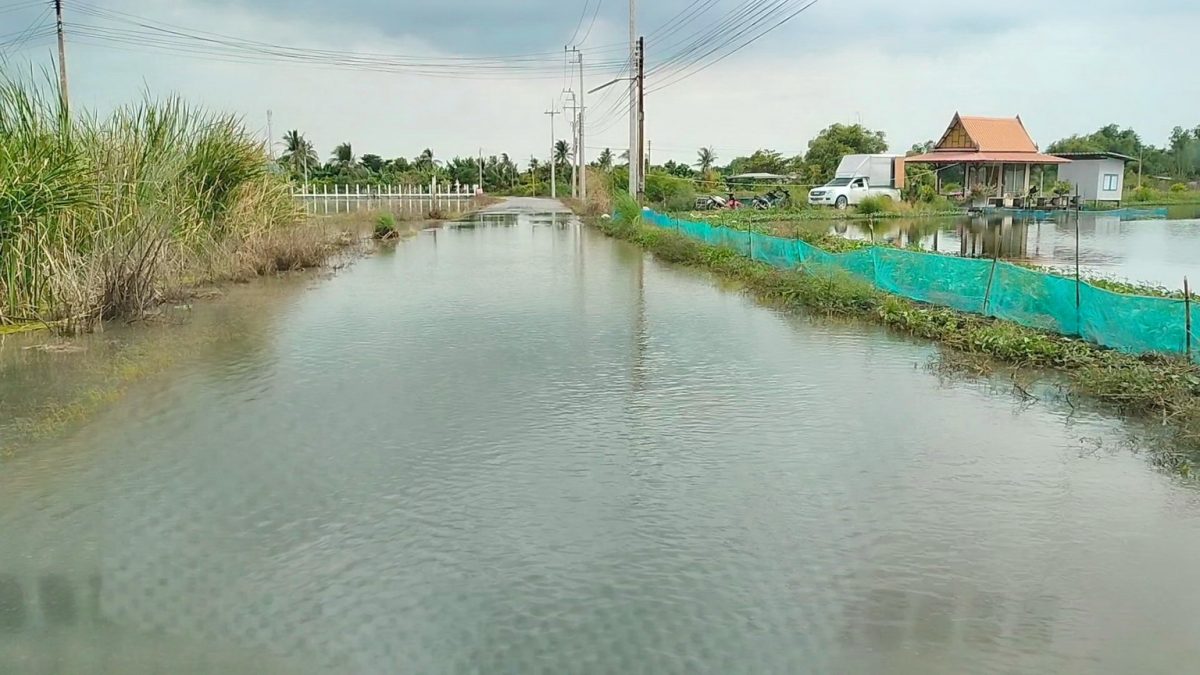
x=99, y=216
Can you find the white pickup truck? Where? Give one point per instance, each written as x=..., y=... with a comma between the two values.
x=860, y=176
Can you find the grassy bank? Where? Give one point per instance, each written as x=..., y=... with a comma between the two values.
x=103, y=218
x=1161, y=388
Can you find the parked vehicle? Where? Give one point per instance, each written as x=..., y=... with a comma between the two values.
x=860, y=176
x=709, y=203
x=773, y=199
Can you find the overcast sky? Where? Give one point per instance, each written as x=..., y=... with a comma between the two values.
x=902, y=67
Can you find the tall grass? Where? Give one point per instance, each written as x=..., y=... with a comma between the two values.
x=98, y=216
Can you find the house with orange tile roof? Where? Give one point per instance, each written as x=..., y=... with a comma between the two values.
x=996, y=154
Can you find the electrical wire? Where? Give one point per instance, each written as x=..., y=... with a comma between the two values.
x=579, y=24
x=592, y=23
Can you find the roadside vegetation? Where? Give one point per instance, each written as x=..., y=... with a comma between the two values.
x=1161, y=388
x=103, y=218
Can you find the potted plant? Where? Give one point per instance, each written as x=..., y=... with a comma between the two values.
x=980, y=193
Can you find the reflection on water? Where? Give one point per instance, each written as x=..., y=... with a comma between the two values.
x=1158, y=251
x=524, y=447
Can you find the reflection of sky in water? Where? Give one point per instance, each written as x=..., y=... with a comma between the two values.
x=1158, y=251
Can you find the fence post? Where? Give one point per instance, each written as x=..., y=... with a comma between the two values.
x=1079, y=304
x=750, y=238
x=1187, y=318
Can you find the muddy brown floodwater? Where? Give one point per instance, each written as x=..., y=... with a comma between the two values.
x=516, y=445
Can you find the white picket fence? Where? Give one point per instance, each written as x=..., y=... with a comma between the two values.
x=346, y=198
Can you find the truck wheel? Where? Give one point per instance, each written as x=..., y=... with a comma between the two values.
x=842, y=202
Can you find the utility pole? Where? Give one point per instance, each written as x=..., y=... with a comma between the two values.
x=580, y=152
x=553, y=186
x=574, y=141
x=634, y=140
x=62, y=57
x=641, y=113
x=480, y=189
x=270, y=137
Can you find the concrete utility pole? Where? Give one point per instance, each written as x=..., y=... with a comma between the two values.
x=553, y=186
x=62, y=57
x=480, y=170
x=580, y=153
x=574, y=107
x=641, y=115
x=270, y=137
x=634, y=140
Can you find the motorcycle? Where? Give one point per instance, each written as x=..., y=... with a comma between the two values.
x=773, y=199
x=711, y=203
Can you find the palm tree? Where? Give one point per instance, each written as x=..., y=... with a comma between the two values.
x=424, y=161
x=562, y=151
x=299, y=154
x=705, y=158
x=604, y=161
x=343, y=155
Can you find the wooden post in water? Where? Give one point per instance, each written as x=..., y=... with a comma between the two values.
x=987, y=293
x=1078, y=301
x=1187, y=318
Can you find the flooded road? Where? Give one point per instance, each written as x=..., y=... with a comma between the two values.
x=1155, y=251
x=519, y=446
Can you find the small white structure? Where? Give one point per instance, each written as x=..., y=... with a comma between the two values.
x=1099, y=175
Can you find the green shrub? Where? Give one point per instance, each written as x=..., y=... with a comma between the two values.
x=927, y=194
x=1143, y=194
x=385, y=226
x=1179, y=187
x=670, y=193
x=1062, y=188
x=870, y=206
x=951, y=188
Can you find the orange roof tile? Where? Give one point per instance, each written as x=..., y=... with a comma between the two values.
x=998, y=134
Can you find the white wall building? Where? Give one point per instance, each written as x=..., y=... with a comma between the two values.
x=1100, y=176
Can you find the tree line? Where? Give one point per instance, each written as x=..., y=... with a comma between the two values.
x=1179, y=160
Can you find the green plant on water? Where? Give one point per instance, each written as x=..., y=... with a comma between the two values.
x=385, y=226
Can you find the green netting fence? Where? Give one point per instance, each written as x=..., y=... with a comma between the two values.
x=1129, y=323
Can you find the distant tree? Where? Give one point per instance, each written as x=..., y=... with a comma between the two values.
x=299, y=156
x=604, y=161
x=837, y=141
x=343, y=155
x=762, y=161
x=705, y=158
x=372, y=162
x=920, y=148
x=424, y=161
x=398, y=164
x=678, y=169
x=562, y=152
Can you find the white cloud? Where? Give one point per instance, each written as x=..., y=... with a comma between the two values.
x=900, y=67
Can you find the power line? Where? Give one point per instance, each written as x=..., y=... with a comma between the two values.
x=737, y=49
x=579, y=24
x=591, y=24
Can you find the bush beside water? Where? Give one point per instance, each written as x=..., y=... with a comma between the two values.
x=100, y=218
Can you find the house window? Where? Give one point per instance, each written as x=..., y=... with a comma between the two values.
x=1110, y=182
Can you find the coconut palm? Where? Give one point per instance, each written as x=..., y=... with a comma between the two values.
x=705, y=158
x=605, y=160
x=562, y=152
x=424, y=161
x=343, y=155
x=299, y=155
